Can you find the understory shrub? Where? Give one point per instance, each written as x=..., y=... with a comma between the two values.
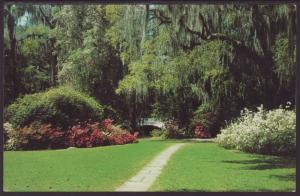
x=265, y=132
x=200, y=131
x=62, y=107
x=86, y=135
x=38, y=135
x=157, y=132
x=173, y=131
x=205, y=125
x=10, y=137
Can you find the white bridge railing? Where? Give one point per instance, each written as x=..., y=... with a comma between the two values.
x=152, y=122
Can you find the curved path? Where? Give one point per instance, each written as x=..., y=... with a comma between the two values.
x=144, y=179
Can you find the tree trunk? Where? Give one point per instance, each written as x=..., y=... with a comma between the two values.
x=12, y=55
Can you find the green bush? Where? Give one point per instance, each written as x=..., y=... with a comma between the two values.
x=174, y=132
x=110, y=112
x=157, y=132
x=62, y=107
x=265, y=132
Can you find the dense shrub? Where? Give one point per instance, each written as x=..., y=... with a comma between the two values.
x=117, y=135
x=157, y=132
x=110, y=112
x=205, y=125
x=124, y=138
x=265, y=132
x=61, y=107
x=40, y=136
x=86, y=135
x=173, y=131
x=10, y=137
x=200, y=131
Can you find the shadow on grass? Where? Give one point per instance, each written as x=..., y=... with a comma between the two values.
x=181, y=141
x=264, y=163
x=230, y=190
x=288, y=177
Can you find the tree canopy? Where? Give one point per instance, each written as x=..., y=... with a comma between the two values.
x=170, y=61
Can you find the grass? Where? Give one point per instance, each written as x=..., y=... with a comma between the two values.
x=207, y=167
x=197, y=166
x=86, y=169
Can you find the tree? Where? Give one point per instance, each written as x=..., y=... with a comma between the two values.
x=214, y=51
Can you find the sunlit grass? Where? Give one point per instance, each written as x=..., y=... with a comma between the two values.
x=208, y=167
x=89, y=169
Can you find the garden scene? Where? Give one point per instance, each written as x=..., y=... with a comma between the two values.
x=149, y=98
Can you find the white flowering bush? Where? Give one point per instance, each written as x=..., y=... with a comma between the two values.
x=10, y=137
x=265, y=132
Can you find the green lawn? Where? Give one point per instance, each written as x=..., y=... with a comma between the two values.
x=89, y=169
x=194, y=167
x=208, y=167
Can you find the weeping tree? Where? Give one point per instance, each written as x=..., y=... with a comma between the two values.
x=88, y=56
x=30, y=60
x=211, y=57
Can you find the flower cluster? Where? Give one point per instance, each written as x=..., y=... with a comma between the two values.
x=205, y=125
x=85, y=135
x=107, y=124
x=39, y=135
x=92, y=134
x=265, y=132
x=200, y=131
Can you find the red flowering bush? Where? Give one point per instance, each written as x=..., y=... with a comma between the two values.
x=120, y=136
x=86, y=135
x=40, y=136
x=173, y=131
x=200, y=131
x=121, y=139
x=205, y=125
x=107, y=124
x=92, y=134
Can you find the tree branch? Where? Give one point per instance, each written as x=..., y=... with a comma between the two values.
x=207, y=36
x=160, y=16
x=46, y=18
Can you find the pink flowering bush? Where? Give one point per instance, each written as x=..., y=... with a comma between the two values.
x=95, y=134
x=39, y=135
x=200, y=131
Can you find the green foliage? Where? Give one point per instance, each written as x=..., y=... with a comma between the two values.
x=61, y=106
x=157, y=132
x=164, y=60
x=267, y=132
x=285, y=60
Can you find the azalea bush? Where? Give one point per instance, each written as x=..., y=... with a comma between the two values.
x=200, y=131
x=173, y=131
x=205, y=125
x=116, y=135
x=86, y=135
x=38, y=135
x=266, y=132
